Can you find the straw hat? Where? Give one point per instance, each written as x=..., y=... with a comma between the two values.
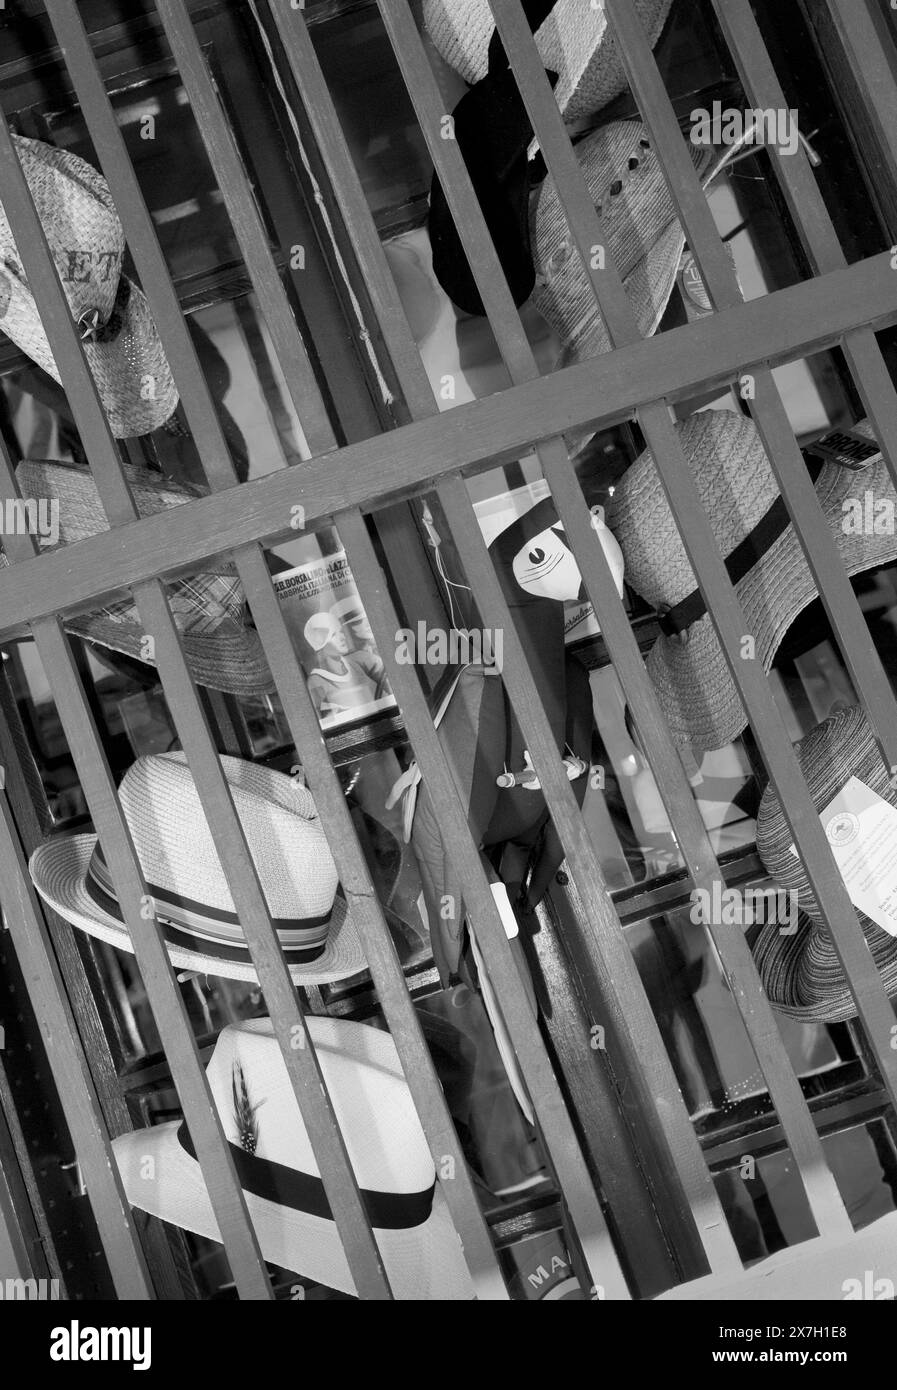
x=87, y=244
x=573, y=37
x=801, y=973
x=764, y=557
x=209, y=608
x=279, y=1175
x=186, y=882
x=641, y=235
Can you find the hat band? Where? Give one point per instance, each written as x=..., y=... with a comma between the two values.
x=205, y=923
x=288, y=1187
x=739, y=563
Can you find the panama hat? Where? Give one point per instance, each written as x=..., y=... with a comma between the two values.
x=187, y=884
x=209, y=608
x=801, y=973
x=86, y=240
x=278, y=1172
x=573, y=37
x=642, y=237
x=763, y=556
x=320, y=629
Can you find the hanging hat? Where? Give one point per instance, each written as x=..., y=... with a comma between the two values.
x=640, y=232
x=187, y=884
x=86, y=241
x=278, y=1172
x=573, y=37
x=763, y=556
x=801, y=973
x=209, y=608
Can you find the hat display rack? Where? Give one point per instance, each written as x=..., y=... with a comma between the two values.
x=324, y=1139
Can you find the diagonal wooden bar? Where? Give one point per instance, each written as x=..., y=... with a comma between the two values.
x=94, y=773
x=872, y=1003
x=253, y=570
x=332, y=147
x=661, y=1090
x=777, y=328
x=70, y=1067
x=822, y=1190
x=386, y=970
x=766, y=405
x=302, y=1065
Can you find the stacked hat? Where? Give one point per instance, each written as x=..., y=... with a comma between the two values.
x=763, y=555
x=573, y=37
x=86, y=240
x=209, y=608
x=280, y=1177
x=640, y=233
x=801, y=973
x=186, y=882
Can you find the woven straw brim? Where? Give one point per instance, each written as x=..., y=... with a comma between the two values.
x=131, y=371
x=692, y=679
x=423, y=1263
x=58, y=870
x=802, y=974
x=230, y=659
x=576, y=41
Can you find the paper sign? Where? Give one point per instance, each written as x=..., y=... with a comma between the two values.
x=861, y=828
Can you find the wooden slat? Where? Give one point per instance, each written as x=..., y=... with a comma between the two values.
x=406, y=358
x=548, y=1102
x=93, y=770
x=767, y=407
x=661, y=1092
x=714, y=351
x=386, y=970
x=70, y=1067
x=302, y=1065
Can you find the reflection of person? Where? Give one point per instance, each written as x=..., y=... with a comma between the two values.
x=342, y=679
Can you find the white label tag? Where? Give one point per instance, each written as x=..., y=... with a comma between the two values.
x=506, y=912
x=861, y=828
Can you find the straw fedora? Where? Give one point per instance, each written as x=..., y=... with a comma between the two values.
x=762, y=552
x=87, y=244
x=641, y=235
x=209, y=608
x=573, y=37
x=279, y=1175
x=186, y=882
x=801, y=973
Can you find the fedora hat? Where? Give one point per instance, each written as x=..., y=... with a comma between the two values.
x=801, y=973
x=86, y=240
x=641, y=235
x=187, y=884
x=762, y=552
x=574, y=39
x=209, y=608
x=279, y=1174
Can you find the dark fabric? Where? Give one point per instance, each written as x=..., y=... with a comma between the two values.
x=288, y=1187
x=738, y=563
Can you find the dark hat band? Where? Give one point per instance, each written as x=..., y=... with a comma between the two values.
x=186, y=920
x=739, y=563
x=288, y=1187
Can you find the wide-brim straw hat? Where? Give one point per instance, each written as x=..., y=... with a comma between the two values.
x=85, y=237
x=574, y=39
x=209, y=608
x=278, y=1172
x=186, y=882
x=641, y=234
x=738, y=490
x=801, y=974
